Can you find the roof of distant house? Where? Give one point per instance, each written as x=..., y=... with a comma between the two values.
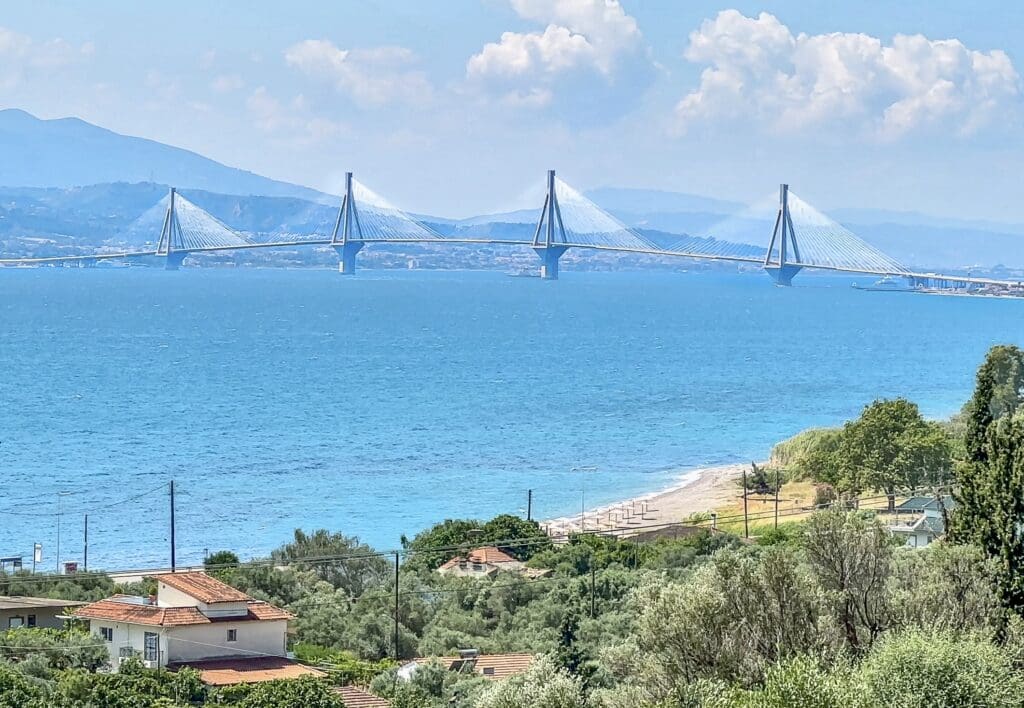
x=202, y=587
x=488, y=555
x=931, y=524
x=354, y=697
x=19, y=602
x=132, y=610
x=227, y=672
x=922, y=503
x=492, y=666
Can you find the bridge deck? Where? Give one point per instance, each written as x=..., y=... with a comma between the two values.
x=505, y=242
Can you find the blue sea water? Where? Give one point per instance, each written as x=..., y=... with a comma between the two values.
x=379, y=404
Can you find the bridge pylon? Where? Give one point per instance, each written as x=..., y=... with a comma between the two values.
x=347, y=237
x=171, y=243
x=776, y=264
x=549, y=240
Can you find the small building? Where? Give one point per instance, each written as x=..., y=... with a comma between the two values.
x=196, y=620
x=17, y=611
x=491, y=666
x=355, y=697
x=925, y=520
x=485, y=562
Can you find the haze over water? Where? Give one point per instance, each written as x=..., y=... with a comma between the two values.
x=379, y=404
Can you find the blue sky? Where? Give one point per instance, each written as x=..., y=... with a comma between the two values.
x=458, y=107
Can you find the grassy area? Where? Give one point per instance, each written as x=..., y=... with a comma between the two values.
x=796, y=503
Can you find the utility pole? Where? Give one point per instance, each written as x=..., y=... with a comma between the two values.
x=60, y=513
x=529, y=505
x=85, y=545
x=746, y=524
x=776, y=498
x=396, y=605
x=173, y=558
x=593, y=588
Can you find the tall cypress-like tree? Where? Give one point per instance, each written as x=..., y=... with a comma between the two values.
x=990, y=482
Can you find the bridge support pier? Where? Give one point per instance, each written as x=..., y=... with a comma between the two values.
x=174, y=260
x=549, y=256
x=347, y=256
x=783, y=275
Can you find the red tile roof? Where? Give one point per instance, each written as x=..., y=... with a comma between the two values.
x=202, y=587
x=354, y=697
x=491, y=666
x=117, y=610
x=226, y=672
x=487, y=554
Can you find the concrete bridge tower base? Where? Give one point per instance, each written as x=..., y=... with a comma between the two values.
x=175, y=259
x=549, y=256
x=347, y=257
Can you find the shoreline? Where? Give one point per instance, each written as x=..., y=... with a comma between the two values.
x=698, y=490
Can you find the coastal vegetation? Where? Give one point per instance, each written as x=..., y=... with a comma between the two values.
x=827, y=608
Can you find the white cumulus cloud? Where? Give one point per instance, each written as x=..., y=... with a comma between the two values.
x=372, y=77
x=578, y=33
x=757, y=69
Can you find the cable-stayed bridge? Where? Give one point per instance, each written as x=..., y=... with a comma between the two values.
x=802, y=237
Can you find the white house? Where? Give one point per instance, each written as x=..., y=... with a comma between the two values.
x=196, y=620
x=925, y=520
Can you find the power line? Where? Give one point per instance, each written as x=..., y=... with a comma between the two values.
x=75, y=512
x=622, y=534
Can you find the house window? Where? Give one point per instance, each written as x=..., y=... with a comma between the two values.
x=151, y=646
x=107, y=633
x=31, y=621
x=15, y=621
x=488, y=671
x=232, y=635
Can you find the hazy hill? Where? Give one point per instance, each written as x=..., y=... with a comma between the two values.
x=68, y=152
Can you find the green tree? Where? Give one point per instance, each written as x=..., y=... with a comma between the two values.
x=16, y=691
x=307, y=692
x=433, y=546
x=891, y=447
x=936, y=671
x=516, y=536
x=544, y=685
x=998, y=393
x=990, y=507
x=851, y=557
x=343, y=561
x=994, y=507
x=220, y=560
x=570, y=654
x=61, y=649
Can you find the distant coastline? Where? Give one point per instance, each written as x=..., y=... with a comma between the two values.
x=695, y=491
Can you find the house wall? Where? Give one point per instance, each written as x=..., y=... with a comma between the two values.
x=171, y=597
x=209, y=641
x=129, y=636
x=50, y=617
x=167, y=596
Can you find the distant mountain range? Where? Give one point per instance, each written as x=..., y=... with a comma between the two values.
x=68, y=152
x=72, y=183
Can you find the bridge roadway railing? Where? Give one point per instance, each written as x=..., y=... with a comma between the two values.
x=620, y=249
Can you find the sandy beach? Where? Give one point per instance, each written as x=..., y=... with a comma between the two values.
x=699, y=490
